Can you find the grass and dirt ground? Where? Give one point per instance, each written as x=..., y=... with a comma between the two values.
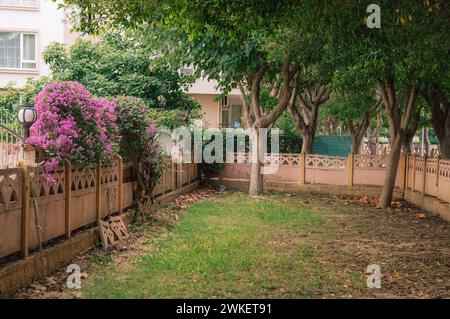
x=307, y=245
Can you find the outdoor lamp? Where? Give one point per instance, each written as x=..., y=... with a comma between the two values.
x=27, y=116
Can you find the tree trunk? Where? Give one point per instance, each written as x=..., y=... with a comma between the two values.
x=373, y=146
x=407, y=144
x=307, y=146
x=398, y=124
x=256, y=180
x=440, y=116
x=426, y=142
x=306, y=119
x=256, y=177
x=356, y=143
x=444, y=140
x=258, y=118
x=391, y=173
x=357, y=132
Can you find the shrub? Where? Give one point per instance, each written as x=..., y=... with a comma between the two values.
x=72, y=125
x=139, y=145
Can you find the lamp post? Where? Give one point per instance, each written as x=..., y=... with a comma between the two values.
x=27, y=116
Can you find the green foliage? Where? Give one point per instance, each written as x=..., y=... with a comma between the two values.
x=15, y=97
x=352, y=106
x=138, y=143
x=120, y=65
x=172, y=118
x=411, y=46
x=290, y=139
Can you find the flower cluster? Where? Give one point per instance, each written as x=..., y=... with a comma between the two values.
x=73, y=125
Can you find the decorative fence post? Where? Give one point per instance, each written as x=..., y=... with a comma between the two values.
x=407, y=171
x=68, y=198
x=414, y=173
x=402, y=170
x=25, y=217
x=188, y=168
x=98, y=190
x=180, y=175
x=350, y=169
x=438, y=168
x=174, y=176
x=424, y=174
x=302, y=166
x=120, y=186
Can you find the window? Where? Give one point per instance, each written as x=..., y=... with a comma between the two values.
x=235, y=114
x=19, y=3
x=17, y=50
x=231, y=115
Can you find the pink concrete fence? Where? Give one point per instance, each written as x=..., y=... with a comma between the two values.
x=75, y=200
x=431, y=176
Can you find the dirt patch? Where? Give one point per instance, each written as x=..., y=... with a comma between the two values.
x=411, y=246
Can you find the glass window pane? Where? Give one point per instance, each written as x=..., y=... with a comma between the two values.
x=23, y=3
x=225, y=122
x=9, y=49
x=29, y=3
x=29, y=47
x=29, y=65
x=10, y=2
x=236, y=114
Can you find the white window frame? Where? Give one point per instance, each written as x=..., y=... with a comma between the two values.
x=22, y=61
x=20, y=6
x=229, y=108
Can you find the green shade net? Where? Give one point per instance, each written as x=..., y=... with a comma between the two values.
x=332, y=145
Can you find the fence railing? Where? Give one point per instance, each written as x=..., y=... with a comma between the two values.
x=11, y=141
x=431, y=176
x=70, y=199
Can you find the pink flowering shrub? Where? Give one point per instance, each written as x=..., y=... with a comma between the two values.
x=73, y=125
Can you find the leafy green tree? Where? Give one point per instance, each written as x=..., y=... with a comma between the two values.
x=121, y=65
x=227, y=40
x=394, y=58
x=356, y=110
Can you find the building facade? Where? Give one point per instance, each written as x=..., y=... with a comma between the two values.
x=217, y=111
x=27, y=27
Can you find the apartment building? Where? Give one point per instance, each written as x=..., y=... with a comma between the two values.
x=27, y=27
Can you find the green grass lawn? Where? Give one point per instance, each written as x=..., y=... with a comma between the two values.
x=227, y=247
x=231, y=246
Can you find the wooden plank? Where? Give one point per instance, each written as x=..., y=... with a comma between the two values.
x=25, y=216
x=120, y=182
x=302, y=165
x=438, y=168
x=407, y=171
x=414, y=173
x=402, y=171
x=350, y=170
x=98, y=190
x=68, y=199
x=174, y=176
x=424, y=174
